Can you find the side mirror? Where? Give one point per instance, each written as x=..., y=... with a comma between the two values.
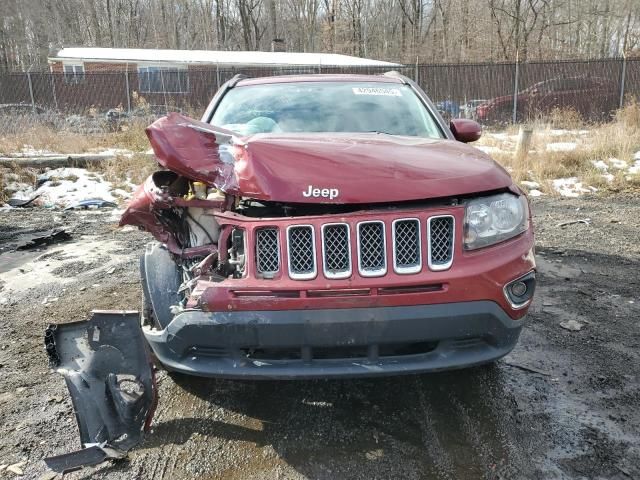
x=465, y=130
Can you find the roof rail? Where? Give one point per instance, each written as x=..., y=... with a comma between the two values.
x=236, y=78
x=396, y=74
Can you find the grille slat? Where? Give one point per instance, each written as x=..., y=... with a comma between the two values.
x=336, y=247
x=372, y=259
x=441, y=233
x=302, y=252
x=267, y=250
x=406, y=246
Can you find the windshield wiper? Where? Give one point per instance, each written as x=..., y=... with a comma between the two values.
x=379, y=132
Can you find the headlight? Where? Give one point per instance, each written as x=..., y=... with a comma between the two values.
x=490, y=220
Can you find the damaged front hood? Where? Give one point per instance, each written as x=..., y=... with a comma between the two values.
x=323, y=168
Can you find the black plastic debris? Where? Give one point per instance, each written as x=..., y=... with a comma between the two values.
x=46, y=238
x=109, y=376
x=91, y=202
x=21, y=202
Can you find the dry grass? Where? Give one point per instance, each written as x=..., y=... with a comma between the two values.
x=4, y=195
x=568, y=118
x=120, y=169
x=619, y=139
x=12, y=174
x=46, y=138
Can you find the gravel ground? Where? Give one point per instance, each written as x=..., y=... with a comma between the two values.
x=564, y=404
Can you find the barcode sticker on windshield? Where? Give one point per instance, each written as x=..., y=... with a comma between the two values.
x=386, y=92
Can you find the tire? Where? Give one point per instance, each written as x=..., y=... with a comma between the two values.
x=147, y=315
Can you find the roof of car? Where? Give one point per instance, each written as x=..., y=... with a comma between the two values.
x=320, y=78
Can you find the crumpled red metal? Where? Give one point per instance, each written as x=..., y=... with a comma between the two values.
x=360, y=167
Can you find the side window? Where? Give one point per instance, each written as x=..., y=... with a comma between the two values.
x=73, y=74
x=163, y=79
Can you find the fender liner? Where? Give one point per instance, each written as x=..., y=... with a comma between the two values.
x=108, y=372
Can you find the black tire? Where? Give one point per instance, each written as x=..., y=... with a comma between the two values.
x=147, y=315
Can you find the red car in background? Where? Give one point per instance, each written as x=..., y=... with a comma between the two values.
x=592, y=97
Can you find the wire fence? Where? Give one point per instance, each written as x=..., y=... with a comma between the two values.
x=489, y=92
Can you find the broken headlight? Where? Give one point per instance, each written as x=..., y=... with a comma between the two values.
x=493, y=219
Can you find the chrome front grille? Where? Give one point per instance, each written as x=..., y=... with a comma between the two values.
x=407, y=257
x=406, y=245
x=372, y=255
x=336, y=250
x=301, y=248
x=440, y=248
x=267, y=250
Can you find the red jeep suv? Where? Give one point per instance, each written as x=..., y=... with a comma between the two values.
x=307, y=226
x=328, y=226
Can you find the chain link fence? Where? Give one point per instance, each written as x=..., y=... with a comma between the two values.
x=492, y=93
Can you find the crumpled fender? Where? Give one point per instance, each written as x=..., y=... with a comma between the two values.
x=196, y=150
x=108, y=373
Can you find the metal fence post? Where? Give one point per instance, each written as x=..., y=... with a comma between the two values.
x=126, y=82
x=622, y=79
x=53, y=89
x=33, y=102
x=515, y=91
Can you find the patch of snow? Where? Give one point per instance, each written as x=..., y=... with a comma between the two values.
x=488, y=149
x=561, y=146
x=571, y=187
x=635, y=168
x=65, y=186
x=29, y=151
x=617, y=163
x=600, y=165
x=19, y=190
x=535, y=193
x=109, y=152
x=503, y=136
x=531, y=185
x=116, y=213
x=557, y=132
x=608, y=177
x=122, y=193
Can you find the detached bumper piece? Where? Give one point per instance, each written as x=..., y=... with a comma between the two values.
x=109, y=376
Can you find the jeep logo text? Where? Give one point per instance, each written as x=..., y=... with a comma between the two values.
x=315, y=192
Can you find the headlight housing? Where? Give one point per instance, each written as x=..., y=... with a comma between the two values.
x=494, y=219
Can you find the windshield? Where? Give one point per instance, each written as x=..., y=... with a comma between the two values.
x=325, y=107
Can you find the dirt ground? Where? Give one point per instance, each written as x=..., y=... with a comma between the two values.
x=564, y=404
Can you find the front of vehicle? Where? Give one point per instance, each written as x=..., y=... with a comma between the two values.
x=329, y=226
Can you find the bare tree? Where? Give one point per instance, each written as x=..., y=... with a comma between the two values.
x=401, y=30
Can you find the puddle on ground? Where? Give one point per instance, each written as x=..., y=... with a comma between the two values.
x=15, y=260
x=556, y=268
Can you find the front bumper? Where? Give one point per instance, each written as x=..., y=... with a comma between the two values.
x=354, y=342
